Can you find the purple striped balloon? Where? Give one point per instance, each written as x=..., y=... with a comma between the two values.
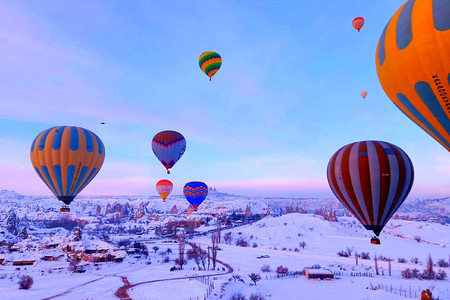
x=371, y=179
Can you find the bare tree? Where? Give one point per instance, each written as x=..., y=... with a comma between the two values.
x=356, y=257
x=227, y=238
x=191, y=228
x=254, y=277
x=428, y=272
x=155, y=248
x=376, y=265
x=214, y=241
x=195, y=253
x=203, y=256
x=219, y=231
x=181, y=244
x=390, y=267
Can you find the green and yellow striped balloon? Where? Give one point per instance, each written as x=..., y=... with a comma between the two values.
x=210, y=63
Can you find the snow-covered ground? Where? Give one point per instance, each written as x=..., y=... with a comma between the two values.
x=272, y=241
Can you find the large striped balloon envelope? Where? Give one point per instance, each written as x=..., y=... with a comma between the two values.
x=413, y=65
x=169, y=147
x=67, y=158
x=195, y=193
x=210, y=63
x=371, y=179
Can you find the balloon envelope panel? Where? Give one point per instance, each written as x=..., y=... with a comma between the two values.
x=413, y=65
x=371, y=179
x=67, y=158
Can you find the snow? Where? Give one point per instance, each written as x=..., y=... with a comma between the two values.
x=273, y=241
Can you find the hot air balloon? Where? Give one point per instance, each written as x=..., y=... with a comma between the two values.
x=413, y=65
x=358, y=23
x=195, y=193
x=67, y=158
x=169, y=147
x=364, y=94
x=210, y=63
x=371, y=179
x=164, y=188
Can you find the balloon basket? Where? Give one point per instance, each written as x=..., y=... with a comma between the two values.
x=375, y=241
x=64, y=209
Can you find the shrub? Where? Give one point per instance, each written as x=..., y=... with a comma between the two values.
x=282, y=270
x=407, y=274
x=296, y=250
x=238, y=296
x=254, y=277
x=343, y=253
x=162, y=253
x=442, y=263
x=316, y=266
x=415, y=260
x=256, y=297
x=441, y=275
x=169, y=250
x=236, y=277
x=255, y=245
x=155, y=248
x=417, y=238
x=266, y=268
x=401, y=260
x=25, y=282
x=303, y=245
x=284, y=249
x=241, y=242
x=365, y=255
x=165, y=259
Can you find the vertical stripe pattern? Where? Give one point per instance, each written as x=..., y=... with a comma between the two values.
x=371, y=179
x=67, y=158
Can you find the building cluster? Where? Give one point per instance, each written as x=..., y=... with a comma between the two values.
x=25, y=249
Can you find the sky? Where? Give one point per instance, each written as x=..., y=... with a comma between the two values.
x=285, y=99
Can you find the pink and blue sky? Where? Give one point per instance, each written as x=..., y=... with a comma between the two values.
x=286, y=98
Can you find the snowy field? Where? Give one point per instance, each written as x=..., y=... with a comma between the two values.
x=295, y=241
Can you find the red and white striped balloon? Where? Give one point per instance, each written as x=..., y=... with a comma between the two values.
x=371, y=179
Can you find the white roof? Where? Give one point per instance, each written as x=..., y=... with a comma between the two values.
x=319, y=271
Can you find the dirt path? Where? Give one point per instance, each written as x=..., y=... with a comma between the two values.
x=122, y=292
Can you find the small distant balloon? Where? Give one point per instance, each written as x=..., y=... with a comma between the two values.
x=210, y=63
x=358, y=23
x=364, y=94
x=164, y=187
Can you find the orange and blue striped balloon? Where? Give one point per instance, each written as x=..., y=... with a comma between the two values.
x=67, y=158
x=413, y=65
x=210, y=63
